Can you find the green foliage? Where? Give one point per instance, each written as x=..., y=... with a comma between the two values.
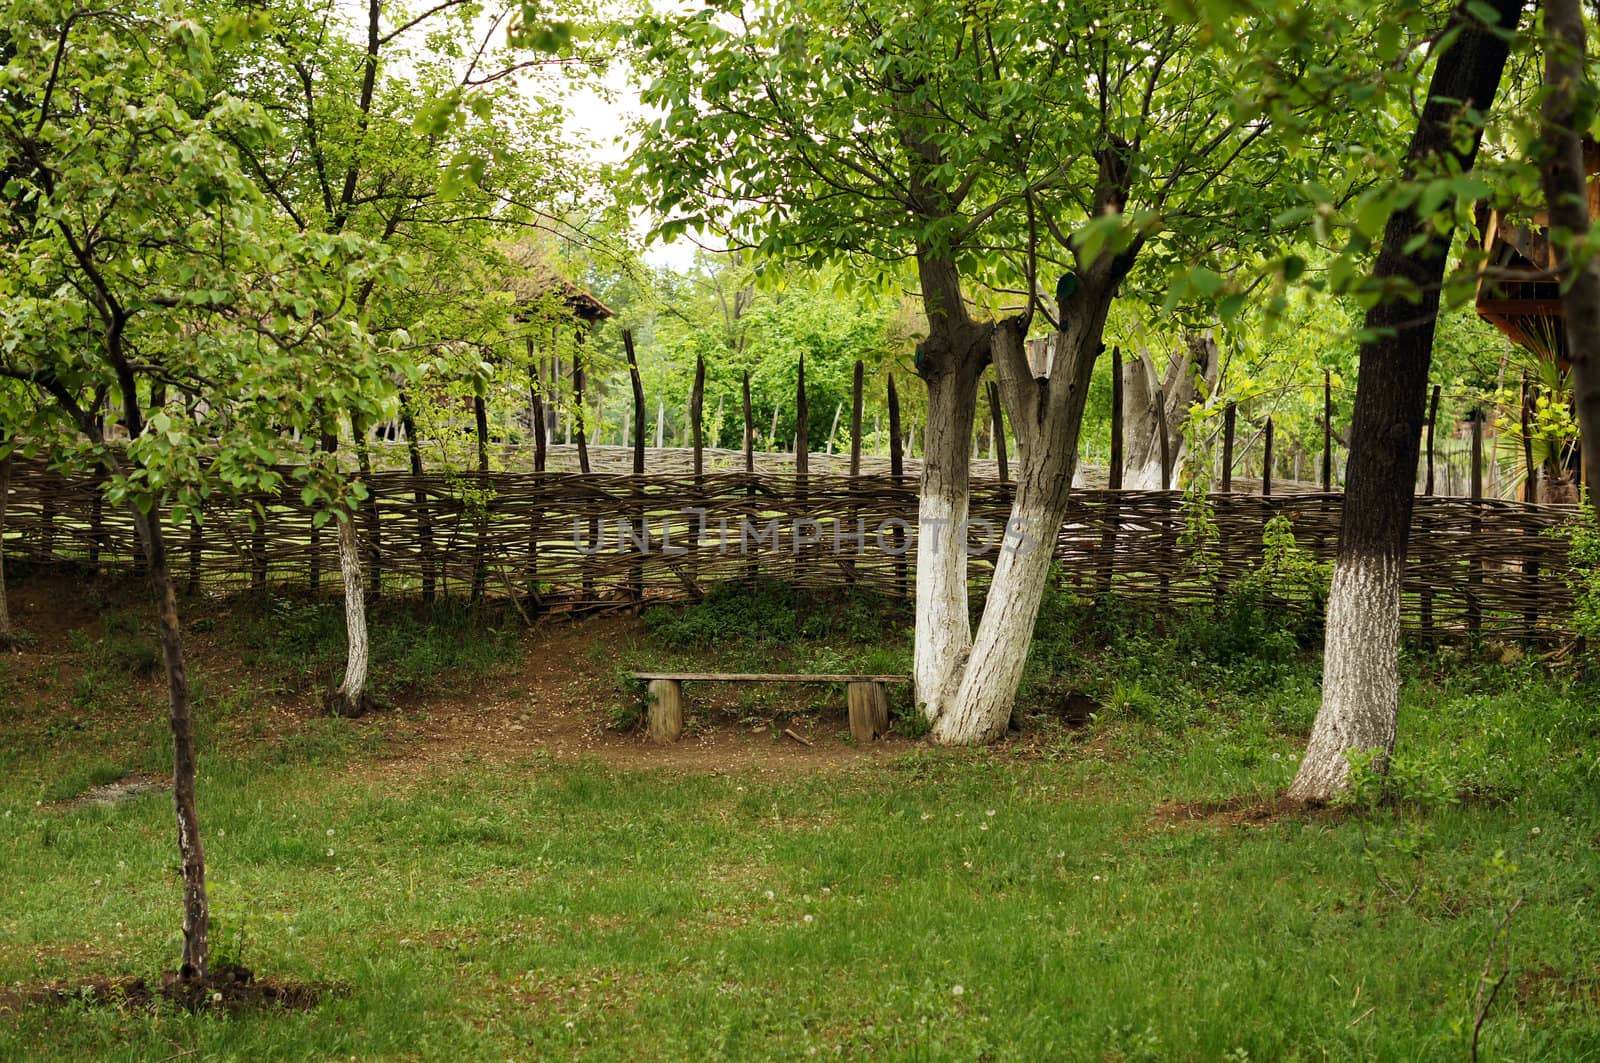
x=767, y=612
x=412, y=647
x=1583, y=573
x=1288, y=572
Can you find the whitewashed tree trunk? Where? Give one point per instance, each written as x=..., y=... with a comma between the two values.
x=1361, y=675
x=1047, y=420
x=981, y=709
x=943, y=628
x=351, y=697
x=1361, y=685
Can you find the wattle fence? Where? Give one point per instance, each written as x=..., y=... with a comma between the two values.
x=572, y=541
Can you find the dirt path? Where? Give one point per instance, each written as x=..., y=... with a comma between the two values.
x=557, y=698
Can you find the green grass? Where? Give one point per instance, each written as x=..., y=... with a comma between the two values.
x=536, y=909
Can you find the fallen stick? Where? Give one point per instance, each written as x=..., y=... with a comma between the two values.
x=792, y=733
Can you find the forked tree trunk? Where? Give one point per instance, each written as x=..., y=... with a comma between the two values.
x=1046, y=416
x=1567, y=193
x=981, y=710
x=1188, y=371
x=1361, y=685
x=351, y=697
x=196, y=914
x=968, y=684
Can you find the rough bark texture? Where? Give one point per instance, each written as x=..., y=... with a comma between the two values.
x=943, y=629
x=1566, y=191
x=351, y=697
x=1142, y=386
x=196, y=913
x=1361, y=663
x=1360, y=699
x=1047, y=414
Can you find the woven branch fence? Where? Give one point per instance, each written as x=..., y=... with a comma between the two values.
x=1476, y=566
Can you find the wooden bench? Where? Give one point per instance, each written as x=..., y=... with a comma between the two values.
x=869, y=706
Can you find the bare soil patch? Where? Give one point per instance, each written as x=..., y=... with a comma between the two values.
x=1243, y=811
x=229, y=989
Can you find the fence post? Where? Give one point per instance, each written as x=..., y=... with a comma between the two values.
x=97, y=523
x=420, y=499
x=47, y=528
x=855, y=420
x=1327, y=431
x=1530, y=489
x=1425, y=599
x=1266, y=462
x=1433, y=418
x=540, y=441
x=258, y=550
x=1530, y=567
x=1475, y=569
x=897, y=475
x=1111, y=512
x=998, y=415
x=197, y=545
x=1114, y=473
x=1166, y=444
x=577, y=418
x=1229, y=416
x=697, y=398
x=802, y=442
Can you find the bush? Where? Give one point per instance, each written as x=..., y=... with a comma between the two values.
x=767, y=611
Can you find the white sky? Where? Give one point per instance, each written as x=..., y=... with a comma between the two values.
x=600, y=124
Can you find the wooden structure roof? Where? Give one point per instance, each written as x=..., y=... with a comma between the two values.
x=533, y=279
x=1518, y=291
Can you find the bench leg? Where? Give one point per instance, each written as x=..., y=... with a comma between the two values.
x=869, y=711
x=666, y=710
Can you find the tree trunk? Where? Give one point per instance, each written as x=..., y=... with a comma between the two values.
x=1198, y=364
x=943, y=627
x=1047, y=415
x=1567, y=193
x=196, y=915
x=7, y=632
x=351, y=697
x=982, y=707
x=1361, y=689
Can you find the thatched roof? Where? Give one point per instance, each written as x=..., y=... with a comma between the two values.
x=532, y=279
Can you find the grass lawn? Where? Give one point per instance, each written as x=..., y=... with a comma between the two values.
x=1126, y=890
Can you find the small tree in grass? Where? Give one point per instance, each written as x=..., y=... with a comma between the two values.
x=149, y=284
